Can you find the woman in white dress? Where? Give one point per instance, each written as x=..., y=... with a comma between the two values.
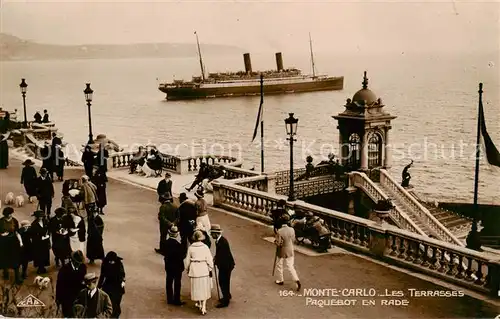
x=145, y=169
x=75, y=225
x=199, y=265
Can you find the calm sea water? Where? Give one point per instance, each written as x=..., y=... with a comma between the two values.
x=434, y=98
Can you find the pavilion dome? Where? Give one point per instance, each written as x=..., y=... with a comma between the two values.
x=365, y=95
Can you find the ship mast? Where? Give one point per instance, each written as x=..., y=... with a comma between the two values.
x=201, y=61
x=312, y=56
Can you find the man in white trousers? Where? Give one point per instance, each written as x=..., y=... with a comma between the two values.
x=285, y=238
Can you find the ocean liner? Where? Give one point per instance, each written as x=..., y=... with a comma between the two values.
x=247, y=83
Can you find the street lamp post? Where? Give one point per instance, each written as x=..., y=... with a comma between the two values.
x=24, y=87
x=291, y=124
x=88, y=97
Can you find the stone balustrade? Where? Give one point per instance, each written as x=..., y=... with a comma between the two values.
x=418, y=209
x=402, y=220
x=173, y=163
x=458, y=265
x=233, y=172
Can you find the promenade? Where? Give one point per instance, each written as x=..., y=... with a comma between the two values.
x=131, y=229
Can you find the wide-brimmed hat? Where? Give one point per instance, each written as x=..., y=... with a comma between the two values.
x=38, y=213
x=24, y=223
x=215, y=228
x=8, y=211
x=199, y=193
x=90, y=277
x=173, y=231
x=28, y=162
x=198, y=236
x=60, y=211
x=77, y=257
x=183, y=197
x=113, y=256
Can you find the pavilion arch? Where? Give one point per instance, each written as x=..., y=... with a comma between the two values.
x=375, y=144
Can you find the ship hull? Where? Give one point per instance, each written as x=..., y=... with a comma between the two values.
x=188, y=93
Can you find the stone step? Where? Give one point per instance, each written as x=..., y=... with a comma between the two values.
x=449, y=219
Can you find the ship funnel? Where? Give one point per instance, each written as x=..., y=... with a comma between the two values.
x=248, y=63
x=279, y=61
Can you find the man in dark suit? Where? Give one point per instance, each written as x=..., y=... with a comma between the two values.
x=174, y=254
x=70, y=283
x=165, y=187
x=168, y=216
x=225, y=263
x=45, y=191
x=187, y=218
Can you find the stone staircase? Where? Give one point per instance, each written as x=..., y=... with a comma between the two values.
x=398, y=202
x=458, y=225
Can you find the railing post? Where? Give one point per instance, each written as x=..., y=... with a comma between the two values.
x=378, y=240
x=217, y=193
x=271, y=183
x=350, y=207
x=182, y=166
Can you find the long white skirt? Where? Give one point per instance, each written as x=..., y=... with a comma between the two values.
x=148, y=171
x=201, y=288
x=76, y=244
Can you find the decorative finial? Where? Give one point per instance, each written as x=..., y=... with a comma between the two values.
x=480, y=88
x=365, y=81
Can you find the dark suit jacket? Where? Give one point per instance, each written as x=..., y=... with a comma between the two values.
x=174, y=253
x=45, y=188
x=223, y=257
x=69, y=283
x=187, y=213
x=164, y=187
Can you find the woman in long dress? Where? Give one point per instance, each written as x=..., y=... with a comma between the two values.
x=199, y=265
x=202, y=220
x=146, y=169
x=95, y=249
x=100, y=179
x=29, y=179
x=76, y=230
x=112, y=281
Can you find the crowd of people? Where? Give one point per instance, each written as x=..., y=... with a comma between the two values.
x=186, y=235
x=185, y=243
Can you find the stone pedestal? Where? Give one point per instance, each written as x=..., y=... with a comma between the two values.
x=378, y=240
x=350, y=207
x=271, y=183
x=382, y=215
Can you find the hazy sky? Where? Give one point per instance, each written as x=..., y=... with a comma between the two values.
x=281, y=25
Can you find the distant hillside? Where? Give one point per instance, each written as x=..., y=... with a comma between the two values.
x=13, y=48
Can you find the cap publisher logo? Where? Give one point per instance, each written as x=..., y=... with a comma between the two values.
x=30, y=301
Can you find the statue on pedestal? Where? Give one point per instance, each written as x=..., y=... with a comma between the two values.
x=406, y=175
x=309, y=166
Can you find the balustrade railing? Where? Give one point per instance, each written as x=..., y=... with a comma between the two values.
x=401, y=219
x=452, y=263
x=233, y=172
x=254, y=182
x=174, y=163
x=417, y=209
x=194, y=163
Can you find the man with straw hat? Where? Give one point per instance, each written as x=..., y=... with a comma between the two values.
x=70, y=283
x=224, y=261
x=174, y=254
x=95, y=302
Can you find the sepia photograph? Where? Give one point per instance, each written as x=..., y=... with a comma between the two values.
x=250, y=159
